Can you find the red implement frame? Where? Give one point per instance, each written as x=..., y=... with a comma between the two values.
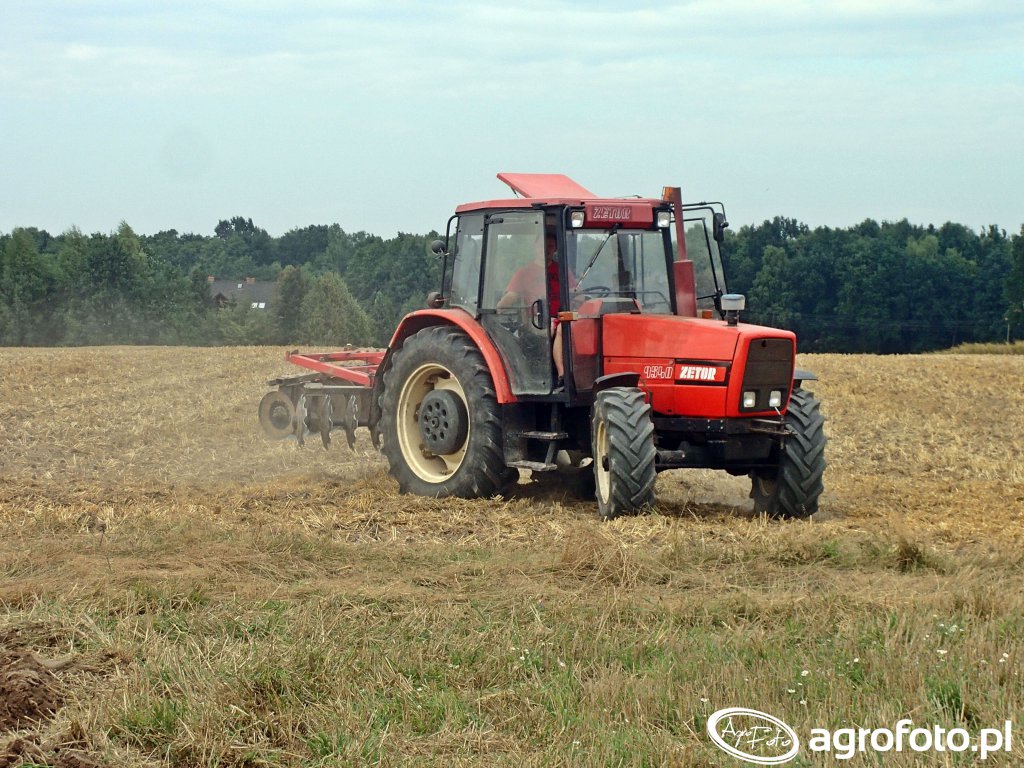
x=361, y=367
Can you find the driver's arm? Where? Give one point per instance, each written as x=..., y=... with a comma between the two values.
x=517, y=290
x=510, y=299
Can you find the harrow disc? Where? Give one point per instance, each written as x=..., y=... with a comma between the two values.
x=325, y=415
x=351, y=421
x=300, y=423
x=276, y=414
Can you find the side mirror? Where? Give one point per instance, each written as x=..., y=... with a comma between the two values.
x=438, y=248
x=435, y=300
x=719, y=227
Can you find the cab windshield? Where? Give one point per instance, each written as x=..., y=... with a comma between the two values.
x=623, y=263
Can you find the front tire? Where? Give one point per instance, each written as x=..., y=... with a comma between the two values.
x=440, y=418
x=793, y=489
x=624, y=454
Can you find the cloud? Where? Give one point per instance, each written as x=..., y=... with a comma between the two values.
x=406, y=46
x=79, y=52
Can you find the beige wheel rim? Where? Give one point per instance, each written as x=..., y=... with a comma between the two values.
x=602, y=473
x=433, y=468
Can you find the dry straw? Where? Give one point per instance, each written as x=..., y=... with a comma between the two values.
x=227, y=600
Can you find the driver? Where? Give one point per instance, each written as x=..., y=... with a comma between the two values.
x=539, y=280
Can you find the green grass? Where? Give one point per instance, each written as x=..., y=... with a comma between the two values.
x=591, y=653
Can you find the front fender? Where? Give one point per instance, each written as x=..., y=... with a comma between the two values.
x=800, y=376
x=625, y=379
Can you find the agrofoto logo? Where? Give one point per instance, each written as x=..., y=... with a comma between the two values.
x=754, y=736
x=757, y=737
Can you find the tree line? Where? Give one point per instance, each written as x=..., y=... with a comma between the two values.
x=333, y=287
x=892, y=287
x=889, y=287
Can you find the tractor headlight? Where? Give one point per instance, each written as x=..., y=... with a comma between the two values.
x=775, y=399
x=576, y=219
x=749, y=399
x=664, y=219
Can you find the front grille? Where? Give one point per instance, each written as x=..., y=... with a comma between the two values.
x=769, y=367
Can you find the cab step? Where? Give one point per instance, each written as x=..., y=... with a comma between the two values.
x=534, y=466
x=534, y=434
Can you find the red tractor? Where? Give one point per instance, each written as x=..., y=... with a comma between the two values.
x=573, y=332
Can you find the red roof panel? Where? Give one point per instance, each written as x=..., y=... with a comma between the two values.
x=545, y=185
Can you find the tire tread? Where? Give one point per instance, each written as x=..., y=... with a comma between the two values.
x=631, y=450
x=800, y=476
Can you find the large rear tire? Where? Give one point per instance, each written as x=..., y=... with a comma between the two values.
x=794, y=488
x=440, y=418
x=624, y=454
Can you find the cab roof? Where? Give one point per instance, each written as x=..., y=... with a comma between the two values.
x=545, y=185
x=548, y=189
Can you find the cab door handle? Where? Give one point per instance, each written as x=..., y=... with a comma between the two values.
x=537, y=314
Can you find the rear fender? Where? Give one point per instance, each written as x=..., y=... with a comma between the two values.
x=425, y=318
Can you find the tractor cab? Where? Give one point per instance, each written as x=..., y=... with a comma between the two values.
x=539, y=271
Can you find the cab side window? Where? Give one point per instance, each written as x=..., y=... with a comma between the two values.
x=515, y=240
x=464, y=287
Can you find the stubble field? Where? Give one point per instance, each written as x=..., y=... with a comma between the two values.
x=175, y=590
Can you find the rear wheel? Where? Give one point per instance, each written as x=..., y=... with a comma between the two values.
x=624, y=453
x=794, y=487
x=440, y=418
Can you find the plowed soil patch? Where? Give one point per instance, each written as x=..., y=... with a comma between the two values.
x=29, y=691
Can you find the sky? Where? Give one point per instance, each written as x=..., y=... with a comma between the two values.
x=383, y=116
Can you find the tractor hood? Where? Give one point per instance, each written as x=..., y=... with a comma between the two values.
x=677, y=338
x=701, y=368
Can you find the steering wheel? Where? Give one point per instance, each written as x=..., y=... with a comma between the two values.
x=596, y=291
x=660, y=298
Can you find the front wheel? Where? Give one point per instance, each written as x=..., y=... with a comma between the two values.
x=440, y=418
x=793, y=488
x=624, y=454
